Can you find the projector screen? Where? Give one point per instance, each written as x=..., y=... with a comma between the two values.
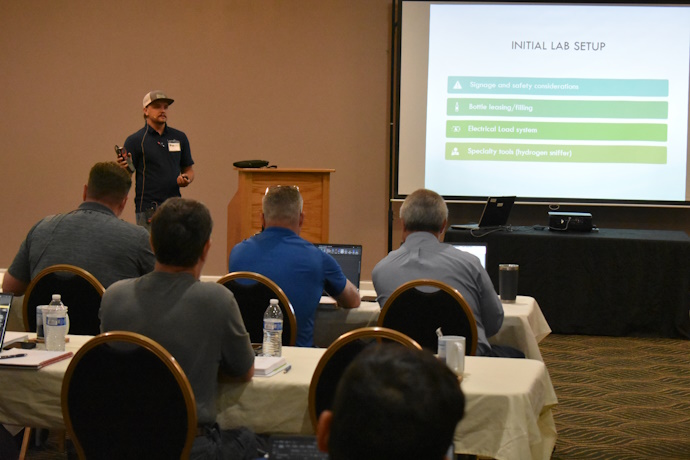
x=567, y=102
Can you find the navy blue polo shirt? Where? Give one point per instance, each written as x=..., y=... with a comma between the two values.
x=160, y=158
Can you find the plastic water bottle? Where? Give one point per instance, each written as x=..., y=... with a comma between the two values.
x=273, y=330
x=55, y=329
x=57, y=301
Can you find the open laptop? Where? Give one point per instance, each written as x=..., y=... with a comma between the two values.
x=5, y=304
x=477, y=249
x=348, y=256
x=495, y=214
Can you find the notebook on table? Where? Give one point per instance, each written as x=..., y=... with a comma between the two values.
x=495, y=214
x=31, y=359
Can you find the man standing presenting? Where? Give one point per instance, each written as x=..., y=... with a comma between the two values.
x=301, y=269
x=92, y=237
x=424, y=216
x=161, y=157
x=198, y=323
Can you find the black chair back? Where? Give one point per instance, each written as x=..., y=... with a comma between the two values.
x=253, y=293
x=125, y=396
x=81, y=292
x=418, y=314
x=338, y=356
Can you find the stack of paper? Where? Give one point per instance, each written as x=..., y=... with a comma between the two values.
x=265, y=366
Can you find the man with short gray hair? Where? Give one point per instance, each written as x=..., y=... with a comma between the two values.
x=424, y=216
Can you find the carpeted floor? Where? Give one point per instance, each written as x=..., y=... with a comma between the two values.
x=619, y=398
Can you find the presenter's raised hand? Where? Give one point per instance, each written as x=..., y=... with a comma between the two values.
x=124, y=159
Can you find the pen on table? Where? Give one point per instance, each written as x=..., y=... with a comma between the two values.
x=287, y=369
x=18, y=355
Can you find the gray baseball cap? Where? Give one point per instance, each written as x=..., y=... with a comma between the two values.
x=156, y=95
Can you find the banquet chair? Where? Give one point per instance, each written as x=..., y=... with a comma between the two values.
x=81, y=292
x=419, y=313
x=125, y=396
x=335, y=360
x=253, y=293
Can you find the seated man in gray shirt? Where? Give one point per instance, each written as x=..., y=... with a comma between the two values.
x=424, y=216
x=198, y=323
x=91, y=237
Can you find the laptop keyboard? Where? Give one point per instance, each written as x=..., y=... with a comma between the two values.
x=295, y=448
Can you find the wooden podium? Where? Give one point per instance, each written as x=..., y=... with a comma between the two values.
x=244, y=209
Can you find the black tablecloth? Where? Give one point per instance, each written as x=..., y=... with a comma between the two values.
x=611, y=282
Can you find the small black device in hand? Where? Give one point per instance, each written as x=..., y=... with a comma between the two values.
x=123, y=154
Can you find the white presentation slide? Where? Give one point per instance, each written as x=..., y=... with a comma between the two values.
x=564, y=101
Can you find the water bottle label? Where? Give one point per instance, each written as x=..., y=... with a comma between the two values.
x=56, y=321
x=273, y=326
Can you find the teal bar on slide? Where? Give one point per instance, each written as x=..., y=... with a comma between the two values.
x=558, y=86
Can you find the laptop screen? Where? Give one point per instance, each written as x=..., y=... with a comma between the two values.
x=5, y=304
x=348, y=256
x=478, y=249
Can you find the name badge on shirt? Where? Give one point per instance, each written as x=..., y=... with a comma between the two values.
x=174, y=146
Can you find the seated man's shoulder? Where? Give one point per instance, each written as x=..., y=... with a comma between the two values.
x=391, y=259
x=213, y=290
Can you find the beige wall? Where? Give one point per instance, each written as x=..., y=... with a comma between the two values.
x=301, y=83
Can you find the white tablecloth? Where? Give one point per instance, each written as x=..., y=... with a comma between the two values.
x=507, y=416
x=524, y=325
x=508, y=409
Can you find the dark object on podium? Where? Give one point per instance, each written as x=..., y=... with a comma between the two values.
x=570, y=221
x=250, y=164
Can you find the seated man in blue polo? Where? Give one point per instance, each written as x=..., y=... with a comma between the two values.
x=301, y=269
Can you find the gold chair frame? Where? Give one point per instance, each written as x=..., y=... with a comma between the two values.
x=280, y=295
x=472, y=343
x=52, y=269
x=156, y=349
x=378, y=333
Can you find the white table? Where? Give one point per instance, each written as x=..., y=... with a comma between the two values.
x=524, y=325
x=507, y=416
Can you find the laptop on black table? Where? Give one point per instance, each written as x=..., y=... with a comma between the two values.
x=495, y=214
